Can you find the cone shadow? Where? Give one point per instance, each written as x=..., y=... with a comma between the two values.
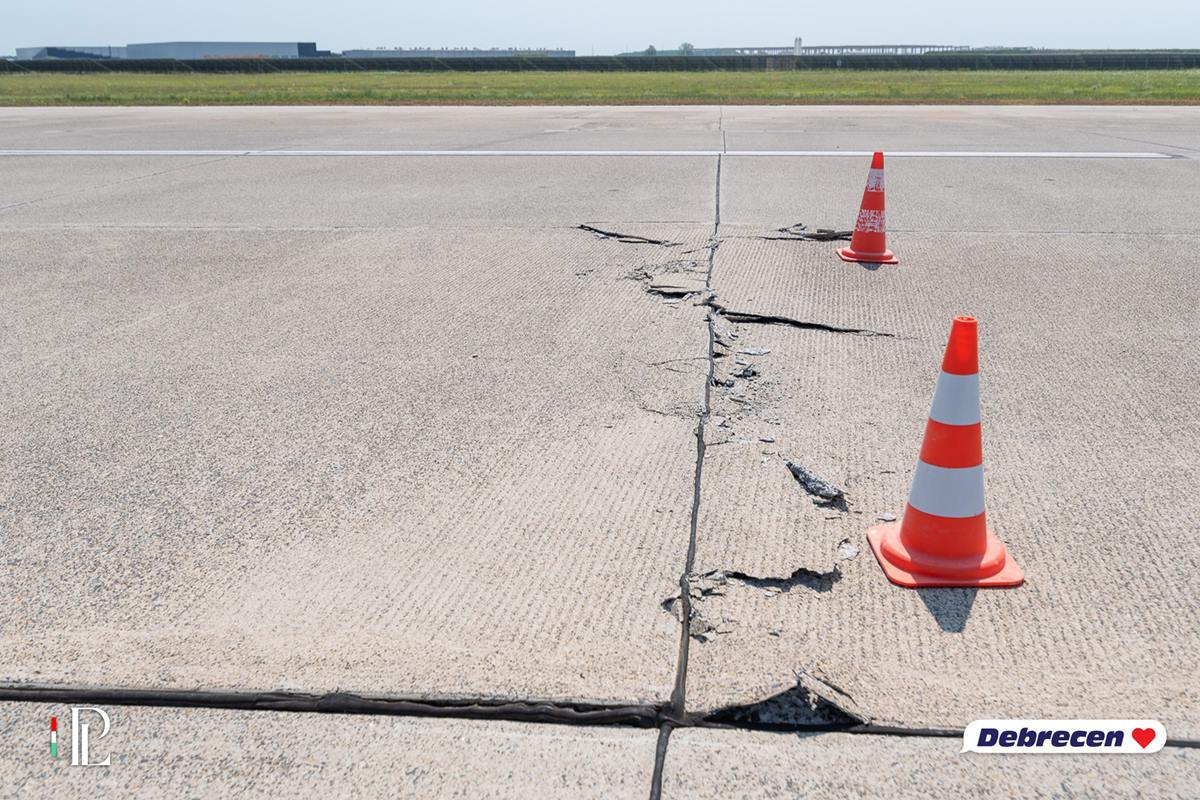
x=950, y=607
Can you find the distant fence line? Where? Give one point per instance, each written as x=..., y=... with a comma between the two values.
x=1144, y=59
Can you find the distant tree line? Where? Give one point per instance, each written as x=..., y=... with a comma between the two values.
x=685, y=49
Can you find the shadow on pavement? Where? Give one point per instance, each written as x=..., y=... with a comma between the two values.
x=950, y=607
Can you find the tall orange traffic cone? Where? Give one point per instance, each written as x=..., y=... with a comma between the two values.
x=869, y=242
x=943, y=539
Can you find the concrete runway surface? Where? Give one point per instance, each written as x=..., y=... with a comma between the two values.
x=339, y=409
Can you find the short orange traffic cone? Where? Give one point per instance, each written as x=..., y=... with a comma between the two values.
x=869, y=242
x=943, y=538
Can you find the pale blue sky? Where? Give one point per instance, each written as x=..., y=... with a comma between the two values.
x=605, y=26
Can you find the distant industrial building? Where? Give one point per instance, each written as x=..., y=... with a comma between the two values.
x=180, y=50
x=199, y=50
x=71, y=51
x=425, y=52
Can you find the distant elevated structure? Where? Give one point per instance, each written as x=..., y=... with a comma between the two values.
x=798, y=49
x=464, y=52
x=874, y=49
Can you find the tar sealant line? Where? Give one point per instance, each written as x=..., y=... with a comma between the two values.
x=679, y=693
x=660, y=758
x=252, y=153
x=642, y=716
x=676, y=713
x=645, y=715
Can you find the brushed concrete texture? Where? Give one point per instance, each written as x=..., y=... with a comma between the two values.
x=1006, y=128
x=369, y=192
x=1003, y=128
x=951, y=196
x=719, y=764
x=390, y=462
x=364, y=127
x=1112, y=285
x=1090, y=427
x=30, y=180
x=216, y=753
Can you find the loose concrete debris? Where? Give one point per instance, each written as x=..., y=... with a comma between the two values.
x=800, y=233
x=749, y=372
x=627, y=238
x=846, y=550
x=673, y=280
x=824, y=493
x=811, y=702
x=887, y=517
x=754, y=351
x=704, y=587
x=767, y=439
x=700, y=626
x=724, y=333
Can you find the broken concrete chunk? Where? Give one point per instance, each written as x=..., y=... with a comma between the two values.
x=754, y=351
x=749, y=372
x=767, y=439
x=676, y=285
x=887, y=517
x=708, y=583
x=800, y=232
x=726, y=382
x=847, y=550
x=723, y=331
x=815, y=486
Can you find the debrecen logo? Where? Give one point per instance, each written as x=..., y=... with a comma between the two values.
x=1064, y=736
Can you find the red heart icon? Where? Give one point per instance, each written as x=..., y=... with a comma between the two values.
x=1143, y=736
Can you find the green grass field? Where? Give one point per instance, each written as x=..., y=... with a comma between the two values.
x=528, y=88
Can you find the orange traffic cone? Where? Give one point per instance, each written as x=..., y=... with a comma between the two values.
x=943, y=538
x=869, y=242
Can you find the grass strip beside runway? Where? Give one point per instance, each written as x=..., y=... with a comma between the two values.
x=602, y=88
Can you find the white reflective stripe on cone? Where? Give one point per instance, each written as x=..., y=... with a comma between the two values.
x=947, y=491
x=875, y=180
x=956, y=399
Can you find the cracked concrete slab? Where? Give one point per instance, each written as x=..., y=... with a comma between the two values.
x=706, y=763
x=158, y=752
x=956, y=195
x=1140, y=282
x=396, y=426
x=393, y=463
x=1088, y=427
